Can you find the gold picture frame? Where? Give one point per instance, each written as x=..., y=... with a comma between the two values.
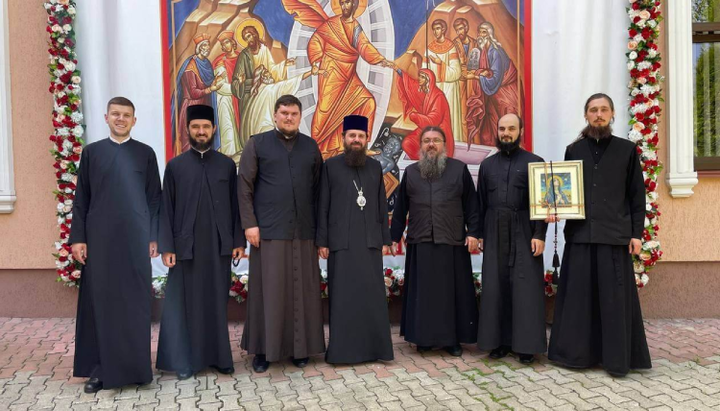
x=567, y=199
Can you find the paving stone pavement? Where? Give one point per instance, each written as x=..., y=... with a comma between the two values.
x=36, y=358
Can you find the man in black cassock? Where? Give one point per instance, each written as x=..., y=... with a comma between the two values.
x=353, y=235
x=439, y=305
x=279, y=183
x=512, y=304
x=199, y=232
x=597, y=310
x=114, y=235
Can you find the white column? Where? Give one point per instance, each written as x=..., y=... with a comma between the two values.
x=7, y=178
x=681, y=175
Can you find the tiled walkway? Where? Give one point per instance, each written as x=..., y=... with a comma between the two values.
x=36, y=368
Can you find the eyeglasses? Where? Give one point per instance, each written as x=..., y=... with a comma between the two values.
x=434, y=141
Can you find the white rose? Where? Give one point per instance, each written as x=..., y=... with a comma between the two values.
x=77, y=150
x=244, y=279
x=67, y=27
x=641, y=24
x=76, y=79
x=642, y=80
x=644, y=279
x=639, y=38
x=78, y=131
x=71, y=10
x=630, y=65
x=633, y=54
x=76, y=117
x=644, y=14
x=55, y=28
x=634, y=136
x=70, y=66
x=638, y=267
x=652, y=24
x=60, y=207
x=68, y=202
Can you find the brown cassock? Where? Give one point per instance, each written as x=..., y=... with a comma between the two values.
x=284, y=309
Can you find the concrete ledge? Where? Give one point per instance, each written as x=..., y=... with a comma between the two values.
x=676, y=290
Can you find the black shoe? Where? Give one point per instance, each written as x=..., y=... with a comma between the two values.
x=454, y=350
x=424, y=348
x=300, y=362
x=259, y=363
x=613, y=374
x=93, y=385
x=499, y=352
x=184, y=374
x=526, y=358
x=226, y=371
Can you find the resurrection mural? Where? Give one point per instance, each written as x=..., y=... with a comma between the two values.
x=404, y=64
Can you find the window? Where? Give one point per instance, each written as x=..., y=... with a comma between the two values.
x=706, y=80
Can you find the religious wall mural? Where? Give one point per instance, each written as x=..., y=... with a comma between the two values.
x=404, y=64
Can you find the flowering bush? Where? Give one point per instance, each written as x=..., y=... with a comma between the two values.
x=644, y=66
x=67, y=122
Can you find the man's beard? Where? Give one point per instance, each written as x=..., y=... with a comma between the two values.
x=355, y=157
x=432, y=167
x=597, y=132
x=202, y=146
x=507, y=147
x=483, y=41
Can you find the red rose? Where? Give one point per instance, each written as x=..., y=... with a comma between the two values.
x=636, y=6
x=632, y=33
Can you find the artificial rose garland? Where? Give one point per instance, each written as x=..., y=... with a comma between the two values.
x=644, y=66
x=67, y=122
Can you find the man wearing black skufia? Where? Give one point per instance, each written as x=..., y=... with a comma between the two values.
x=353, y=234
x=199, y=232
x=114, y=235
x=512, y=304
x=279, y=183
x=597, y=310
x=439, y=305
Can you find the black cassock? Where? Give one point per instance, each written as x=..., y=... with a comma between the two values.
x=115, y=213
x=512, y=304
x=359, y=321
x=597, y=310
x=439, y=304
x=200, y=223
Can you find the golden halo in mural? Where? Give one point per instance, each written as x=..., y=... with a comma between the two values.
x=362, y=5
x=249, y=22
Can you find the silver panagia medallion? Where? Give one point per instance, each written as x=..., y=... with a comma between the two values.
x=361, y=200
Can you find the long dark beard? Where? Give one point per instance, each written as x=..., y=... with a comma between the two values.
x=355, y=158
x=506, y=147
x=202, y=146
x=595, y=132
x=431, y=168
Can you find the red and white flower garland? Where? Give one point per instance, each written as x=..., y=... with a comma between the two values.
x=644, y=66
x=67, y=122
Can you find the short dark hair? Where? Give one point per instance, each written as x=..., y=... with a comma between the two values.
x=120, y=101
x=597, y=96
x=288, y=100
x=441, y=22
x=460, y=21
x=250, y=28
x=433, y=128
